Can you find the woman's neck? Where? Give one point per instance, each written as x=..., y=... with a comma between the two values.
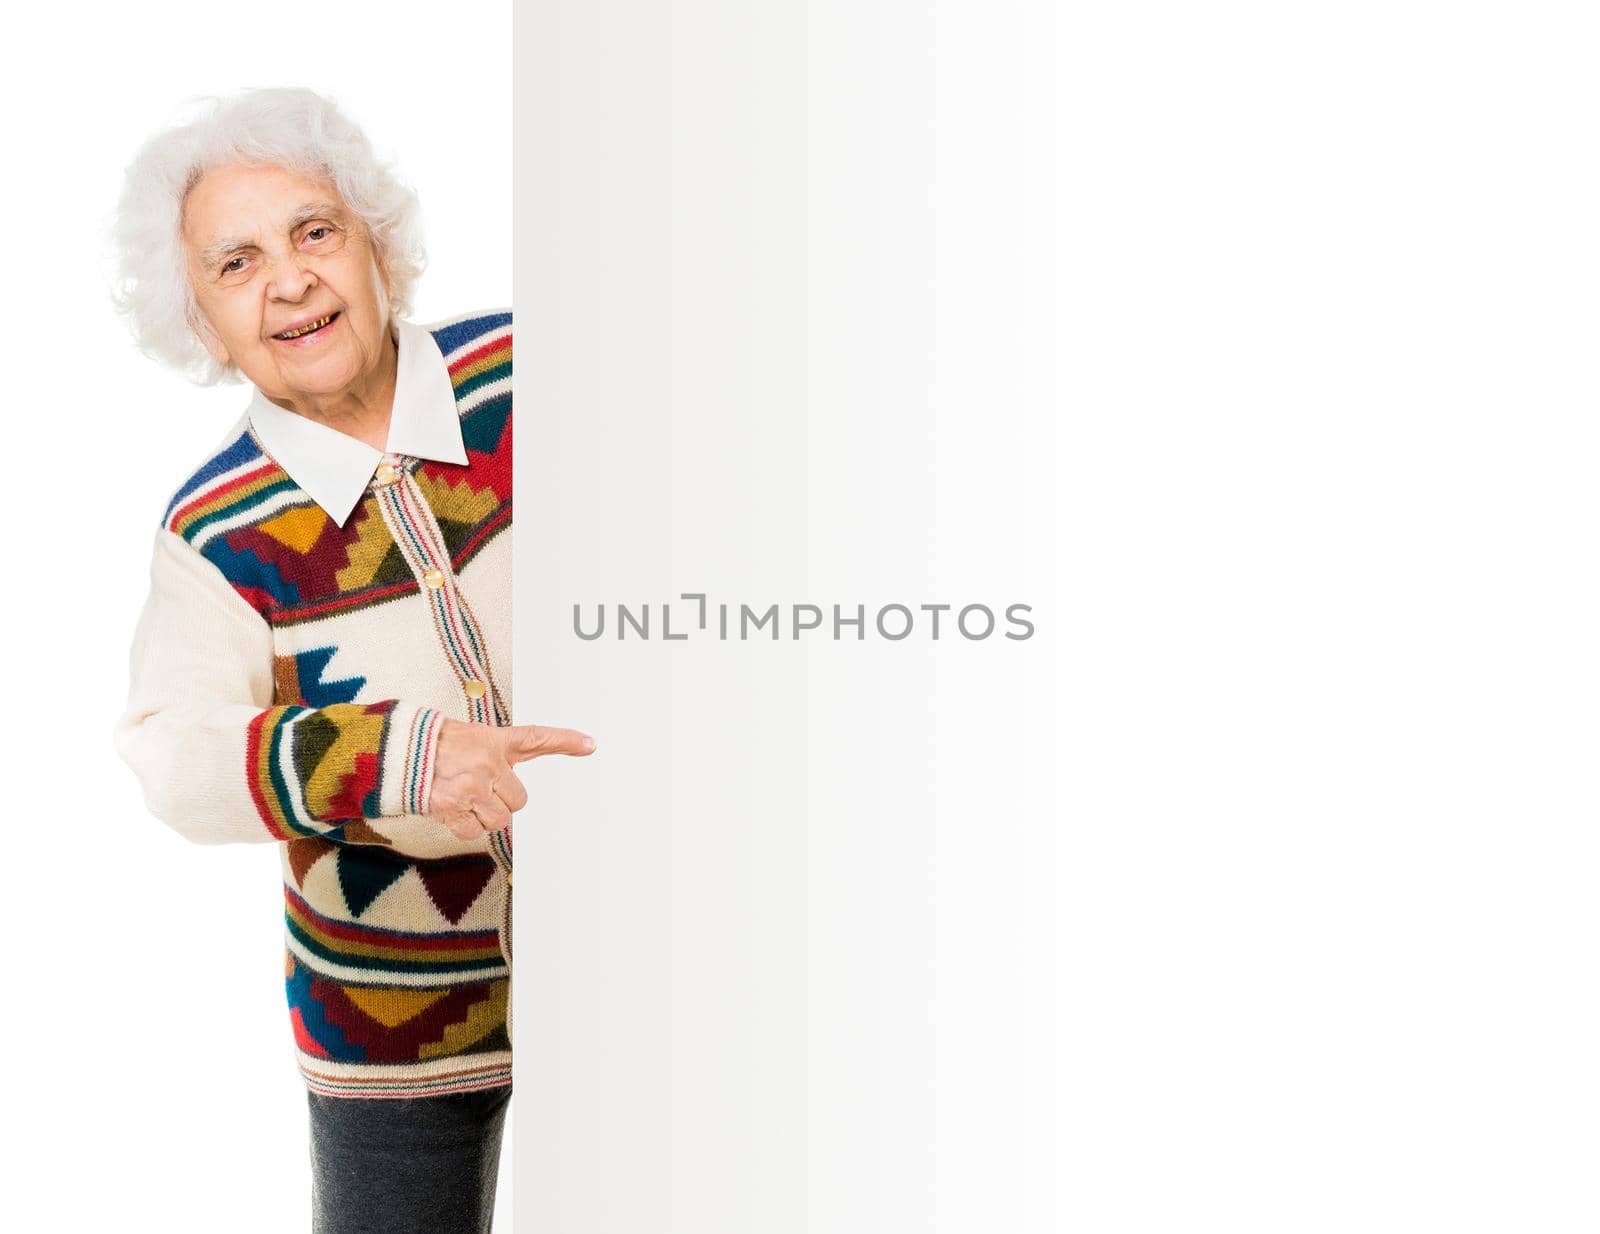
x=362, y=409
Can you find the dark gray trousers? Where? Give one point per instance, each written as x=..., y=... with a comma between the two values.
x=397, y=1165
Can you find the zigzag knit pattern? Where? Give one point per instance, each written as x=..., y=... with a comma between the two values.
x=397, y=964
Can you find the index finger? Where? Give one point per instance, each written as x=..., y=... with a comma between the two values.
x=525, y=741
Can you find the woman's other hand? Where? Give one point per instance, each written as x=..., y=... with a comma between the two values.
x=475, y=790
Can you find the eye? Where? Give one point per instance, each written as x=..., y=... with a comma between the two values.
x=233, y=265
x=322, y=235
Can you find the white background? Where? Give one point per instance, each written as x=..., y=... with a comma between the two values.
x=1255, y=345
x=135, y=955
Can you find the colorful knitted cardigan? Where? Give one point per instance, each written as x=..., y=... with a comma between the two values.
x=289, y=681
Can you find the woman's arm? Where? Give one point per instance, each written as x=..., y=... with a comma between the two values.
x=220, y=762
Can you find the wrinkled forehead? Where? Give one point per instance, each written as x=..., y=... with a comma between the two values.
x=240, y=205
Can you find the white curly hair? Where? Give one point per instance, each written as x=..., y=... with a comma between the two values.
x=289, y=127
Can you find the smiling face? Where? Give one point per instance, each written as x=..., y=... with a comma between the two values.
x=287, y=281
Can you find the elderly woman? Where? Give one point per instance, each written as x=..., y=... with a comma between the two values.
x=323, y=662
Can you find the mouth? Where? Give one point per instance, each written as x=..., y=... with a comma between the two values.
x=307, y=328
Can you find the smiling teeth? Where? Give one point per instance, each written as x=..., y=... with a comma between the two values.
x=316, y=325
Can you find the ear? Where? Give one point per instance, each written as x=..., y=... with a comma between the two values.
x=384, y=276
x=208, y=338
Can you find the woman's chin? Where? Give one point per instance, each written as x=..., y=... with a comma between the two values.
x=316, y=376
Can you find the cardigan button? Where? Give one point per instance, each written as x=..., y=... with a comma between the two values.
x=474, y=688
x=386, y=474
x=434, y=579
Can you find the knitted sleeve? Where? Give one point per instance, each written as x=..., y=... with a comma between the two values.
x=217, y=759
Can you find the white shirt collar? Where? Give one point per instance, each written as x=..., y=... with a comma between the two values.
x=335, y=468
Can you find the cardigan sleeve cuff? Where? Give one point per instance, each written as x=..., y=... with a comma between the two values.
x=411, y=747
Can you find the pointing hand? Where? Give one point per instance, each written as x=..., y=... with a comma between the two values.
x=475, y=789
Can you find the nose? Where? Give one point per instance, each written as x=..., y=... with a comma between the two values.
x=290, y=280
